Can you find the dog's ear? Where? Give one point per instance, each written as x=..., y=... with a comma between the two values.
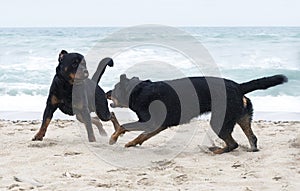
x=61, y=55
x=123, y=80
x=123, y=77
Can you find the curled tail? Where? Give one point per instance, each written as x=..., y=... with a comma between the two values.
x=262, y=83
x=101, y=69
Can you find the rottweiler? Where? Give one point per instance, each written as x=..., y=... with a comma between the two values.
x=158, y=105
x=75, y=94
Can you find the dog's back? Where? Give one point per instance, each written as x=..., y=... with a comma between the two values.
x=187, y=98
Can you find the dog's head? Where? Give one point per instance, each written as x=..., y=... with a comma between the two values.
x=122, y=90
x=71, y=67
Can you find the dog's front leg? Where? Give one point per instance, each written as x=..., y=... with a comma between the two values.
x=48, y=114
x=85, y=118
x=97, y=122
x=115, y=121
x=134, y=126
x=80, y=107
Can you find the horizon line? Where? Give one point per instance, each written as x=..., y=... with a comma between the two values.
x=123, y=26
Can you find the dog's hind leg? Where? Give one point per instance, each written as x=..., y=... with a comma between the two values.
x=245, y=123
x=224, y=133
x=97, y=122
x=143, y=137
x=231, y=144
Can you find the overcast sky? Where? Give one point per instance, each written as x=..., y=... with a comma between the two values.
x=51, y=13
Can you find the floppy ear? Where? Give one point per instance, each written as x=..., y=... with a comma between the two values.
x=123, y=80
x=123, y=77
x=61, y=55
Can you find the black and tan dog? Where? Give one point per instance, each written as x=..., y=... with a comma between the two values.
x=158, y=105
x=75, y=94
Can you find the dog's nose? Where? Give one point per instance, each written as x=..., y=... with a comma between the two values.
x=86, y=73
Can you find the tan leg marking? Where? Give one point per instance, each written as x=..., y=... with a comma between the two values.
x=245, y=124
x=143, y=137
x=41, y=133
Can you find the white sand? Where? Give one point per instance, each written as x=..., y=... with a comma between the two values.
x=66, y=161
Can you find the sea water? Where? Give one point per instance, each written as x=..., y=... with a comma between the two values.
x=28, y=58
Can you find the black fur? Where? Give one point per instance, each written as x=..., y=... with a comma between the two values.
x=228, y=107
x=75, y=94
x=262, y=83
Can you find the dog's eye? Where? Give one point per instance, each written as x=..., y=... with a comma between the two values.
x=75, y=65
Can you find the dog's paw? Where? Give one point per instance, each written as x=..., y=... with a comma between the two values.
x=216, y=150
x=103, y=133
x=253, y=150
x=114, y=137
x=112, y=141
x=130, y=144
x=36, y=138
x=92, y=139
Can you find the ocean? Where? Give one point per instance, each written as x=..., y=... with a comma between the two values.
x=28, y=58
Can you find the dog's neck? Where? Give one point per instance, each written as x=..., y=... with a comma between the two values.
x=133, y=83
x=129, y=88
x=63, y=77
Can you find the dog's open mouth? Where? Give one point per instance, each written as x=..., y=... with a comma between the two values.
x=114, y=103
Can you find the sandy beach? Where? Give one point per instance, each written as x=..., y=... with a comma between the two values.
x=160, y=41
x=176, y=159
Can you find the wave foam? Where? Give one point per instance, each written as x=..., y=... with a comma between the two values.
x=281, y=103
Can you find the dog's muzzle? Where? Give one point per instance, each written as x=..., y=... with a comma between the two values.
x=86, y=73
x=82, y=74
x=114, y=103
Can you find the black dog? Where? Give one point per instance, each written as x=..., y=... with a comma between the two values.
x=158, y=105
x=75, y=94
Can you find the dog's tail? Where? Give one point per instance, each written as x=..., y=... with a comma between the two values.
x=101, y=69
x=262, y=83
